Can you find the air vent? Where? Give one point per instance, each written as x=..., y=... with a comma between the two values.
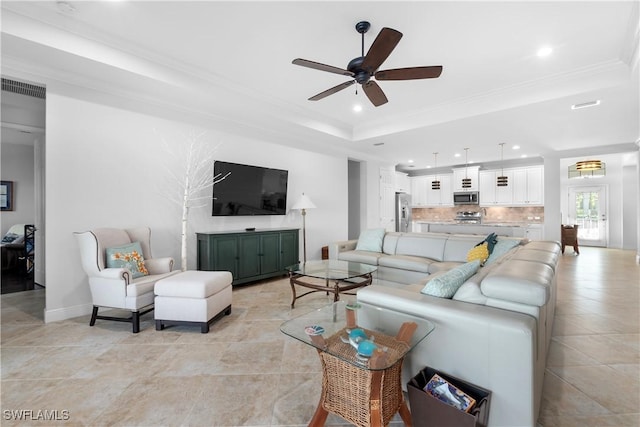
x=22, y=88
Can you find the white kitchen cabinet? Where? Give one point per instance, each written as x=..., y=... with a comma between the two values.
x=490, y=193
x=403, y=184
x=418, y=186
x=443, y=196
x=528, y=186
x=471, y=172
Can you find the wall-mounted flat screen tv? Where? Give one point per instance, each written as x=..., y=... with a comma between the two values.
x=249, y=190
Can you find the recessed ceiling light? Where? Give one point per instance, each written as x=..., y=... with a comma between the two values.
x=456, y=155
x=428, y=166
x=357, y=108
x=524, y=156
x=515, y=147
x=585, y=104
x=410, y=161
x=544, y=51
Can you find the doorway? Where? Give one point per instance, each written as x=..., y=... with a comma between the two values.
x=588, y=208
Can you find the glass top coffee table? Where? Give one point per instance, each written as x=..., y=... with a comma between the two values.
x=361, y=349
x=335, y=276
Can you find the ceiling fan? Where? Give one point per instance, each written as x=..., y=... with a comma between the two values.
x=363, y=68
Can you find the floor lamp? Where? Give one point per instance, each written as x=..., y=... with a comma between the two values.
x=304, y=203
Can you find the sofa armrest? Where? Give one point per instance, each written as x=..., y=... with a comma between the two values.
x=337, y=247
x=159, y=265
x=122, y=274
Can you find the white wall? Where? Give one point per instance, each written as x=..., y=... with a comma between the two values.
x=105, y=167
x=17, y=166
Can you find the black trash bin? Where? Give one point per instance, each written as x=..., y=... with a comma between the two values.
x=428, y=411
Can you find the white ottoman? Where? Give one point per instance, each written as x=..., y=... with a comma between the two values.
x=193, y=297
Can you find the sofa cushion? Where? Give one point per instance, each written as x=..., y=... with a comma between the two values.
x=371, y=240
x=426, y=246
x=390, y=243
x=364, y=257
x=520, y=281
x=127, y=256
x=446, y=285
x=457, y=247
x=406, y=262
x=544, y=257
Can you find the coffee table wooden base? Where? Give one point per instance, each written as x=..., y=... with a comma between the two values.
x=337, y=287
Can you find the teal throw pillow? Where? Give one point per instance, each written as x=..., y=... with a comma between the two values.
x=501, y=247
x=371, y=240
x=127, y=256
x=447, y=284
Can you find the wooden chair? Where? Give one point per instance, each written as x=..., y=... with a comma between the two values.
x=569, y=237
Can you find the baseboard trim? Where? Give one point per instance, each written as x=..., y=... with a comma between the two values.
x=65, y=313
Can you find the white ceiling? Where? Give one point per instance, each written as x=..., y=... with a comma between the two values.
x=230, y=62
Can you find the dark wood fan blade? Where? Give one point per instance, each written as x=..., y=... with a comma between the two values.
x=321, y=67
x=381, y=48
x=332, y=90
x=374, y=93
x=412, y=73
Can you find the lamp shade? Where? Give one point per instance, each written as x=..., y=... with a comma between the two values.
x=304, y=202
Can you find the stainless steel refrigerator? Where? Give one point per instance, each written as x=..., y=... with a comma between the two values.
x=403, y=212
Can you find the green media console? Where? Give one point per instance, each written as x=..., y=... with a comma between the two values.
x=249, y=255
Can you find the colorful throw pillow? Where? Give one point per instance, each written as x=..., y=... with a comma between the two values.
x=447, y=284
x=127, y=256
x=479, y=252
x=491, y=240
x=371, y=240
x=502, y=247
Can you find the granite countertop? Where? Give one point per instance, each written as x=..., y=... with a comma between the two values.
x=486, y=224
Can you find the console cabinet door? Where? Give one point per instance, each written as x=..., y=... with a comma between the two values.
x=218, y=253
x=289, y=252
x=249, y=261
x=269, y=253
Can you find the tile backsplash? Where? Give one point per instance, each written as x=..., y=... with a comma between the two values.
x=496, y=214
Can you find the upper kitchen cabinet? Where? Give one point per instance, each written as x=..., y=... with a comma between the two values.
x=528, y=186
x=403, y=184
x=419, y=190
x=490, y=193
x=443, y=196
x=423, y=194
x=471, y=172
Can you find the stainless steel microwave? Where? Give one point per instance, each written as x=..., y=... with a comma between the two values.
x=466, y=198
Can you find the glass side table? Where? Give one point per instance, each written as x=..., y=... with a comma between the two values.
x=362, y=384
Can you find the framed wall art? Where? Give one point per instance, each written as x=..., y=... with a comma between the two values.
x=6, y=195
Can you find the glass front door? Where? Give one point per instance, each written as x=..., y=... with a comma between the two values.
x=588, y=209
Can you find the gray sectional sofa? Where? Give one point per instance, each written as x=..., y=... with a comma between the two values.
x=495, y=330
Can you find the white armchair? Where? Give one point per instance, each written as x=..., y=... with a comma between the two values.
x=116, y=287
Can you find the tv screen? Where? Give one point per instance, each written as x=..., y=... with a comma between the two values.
x=249, y=190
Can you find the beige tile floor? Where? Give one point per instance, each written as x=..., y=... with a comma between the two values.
x=245, y=372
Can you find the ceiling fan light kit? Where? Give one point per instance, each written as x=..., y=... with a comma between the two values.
x=365, y=67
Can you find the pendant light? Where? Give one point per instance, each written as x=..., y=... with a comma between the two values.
x=466, y=181
x=502, y=180
x=435, y=185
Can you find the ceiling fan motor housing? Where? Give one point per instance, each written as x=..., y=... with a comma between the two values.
x=360, y=75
